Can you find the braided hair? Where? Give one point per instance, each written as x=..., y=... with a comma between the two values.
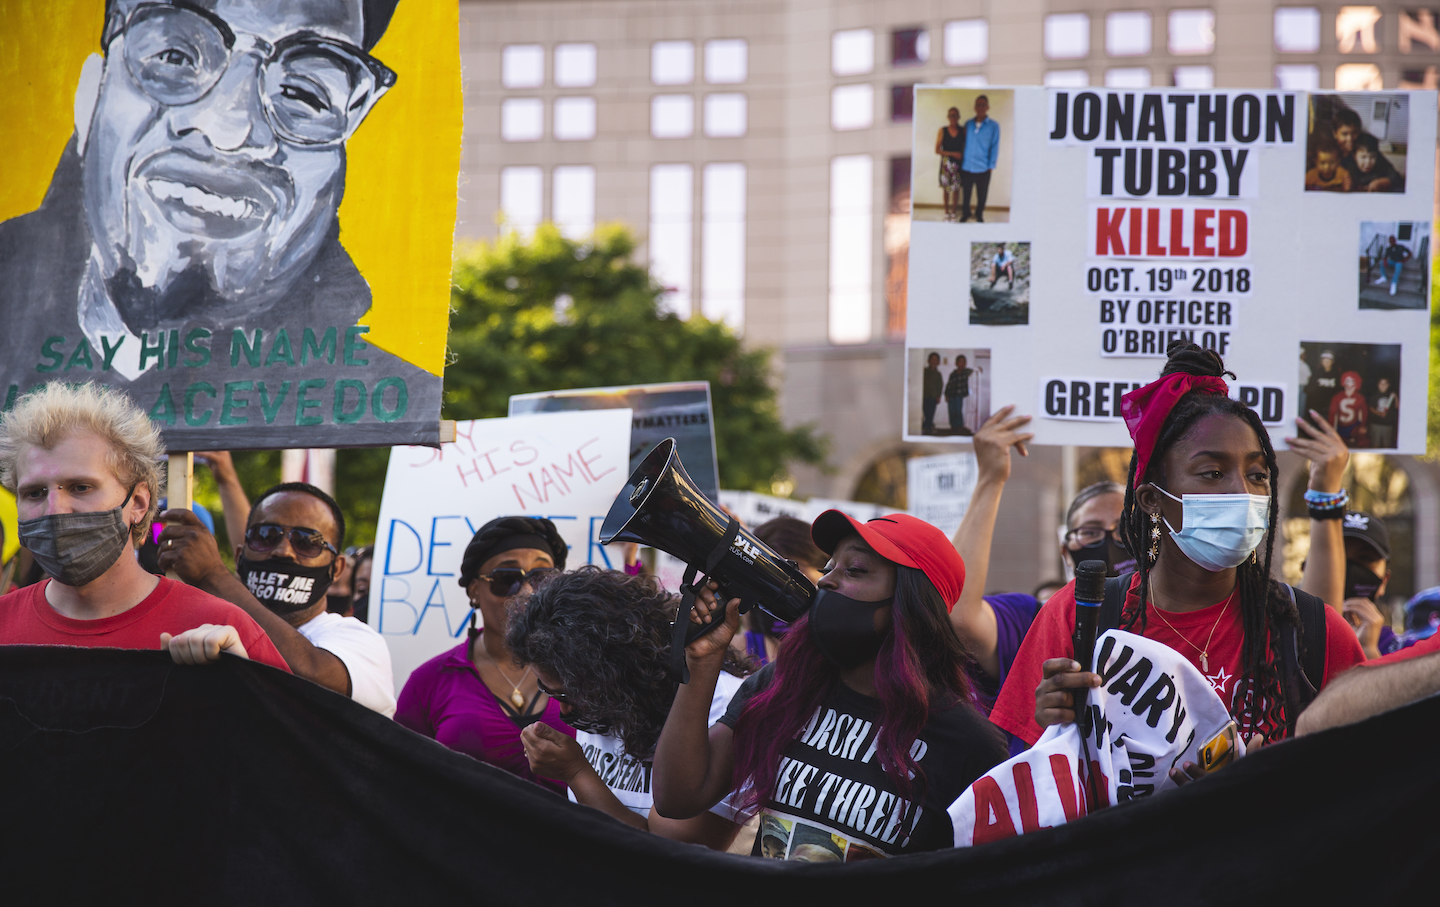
x=1265, y=608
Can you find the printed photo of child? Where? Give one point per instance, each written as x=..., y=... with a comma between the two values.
x=1352, y=386
x=1394, y=265
x=960, y=378
x=1357, y=142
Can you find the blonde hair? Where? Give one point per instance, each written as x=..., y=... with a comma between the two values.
x=52, y=412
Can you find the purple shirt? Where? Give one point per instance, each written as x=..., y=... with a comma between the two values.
x=445, y=699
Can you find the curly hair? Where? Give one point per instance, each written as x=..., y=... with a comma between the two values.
x=1265, y=606
x=605, y=636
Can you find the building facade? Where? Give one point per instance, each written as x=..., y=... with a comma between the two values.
x=761, y=152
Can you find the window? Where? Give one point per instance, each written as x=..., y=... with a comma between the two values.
x=852, y=107
x=722, y=244
x=1358, y=77
x=572, y=191
x=1192, y=31
x=966, y=81
x=1066, y=78
x=1417, y=26
x=1355, y=30
x=672, y=116
x=727, y=62
x=1127, y=34
x=724, y=115
x=1297, y=78
x=1297, y=29
x=522, y=66
x=967, y=42
x=522, y=119
x=1067, y=36
x=672, y=62
x=574, y=119
x=852, y=53
x=902, y=103
x=851, y=192
x=1127, y=77
x=909, y=47
x=574, y=65
x=1193, y=77
x=672, y=211
x=521, y=198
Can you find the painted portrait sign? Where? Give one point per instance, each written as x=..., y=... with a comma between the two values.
x=240, y=211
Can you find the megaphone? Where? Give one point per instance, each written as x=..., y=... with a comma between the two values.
x=661, y=507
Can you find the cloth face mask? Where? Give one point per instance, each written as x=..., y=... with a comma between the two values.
x=76, y=548
x=1361, y=581
x=843, y=629
x=1220, y=530
x=282, y=585
x=1117, y=559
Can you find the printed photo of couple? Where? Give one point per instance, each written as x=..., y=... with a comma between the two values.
x=1357, y=142
x=947, y=391
x=1356, y=387
x=967, y=177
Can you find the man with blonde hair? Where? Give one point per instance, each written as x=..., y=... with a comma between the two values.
x=83, y=462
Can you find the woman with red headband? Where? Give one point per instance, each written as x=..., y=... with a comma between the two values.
x=860, y=733
x=1199, y=503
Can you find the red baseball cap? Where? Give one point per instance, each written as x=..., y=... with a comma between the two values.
x=901, y=538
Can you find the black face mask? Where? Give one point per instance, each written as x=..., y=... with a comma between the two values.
x=843, y=629
x=282, y=585
x=1117, y=559
x=1360, y=582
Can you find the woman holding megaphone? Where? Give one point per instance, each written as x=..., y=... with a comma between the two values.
x=853, y=742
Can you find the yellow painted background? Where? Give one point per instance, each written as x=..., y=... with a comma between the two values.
x=12, y=530
x=398, y=217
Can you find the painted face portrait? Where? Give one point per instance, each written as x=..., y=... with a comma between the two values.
x=214, y=160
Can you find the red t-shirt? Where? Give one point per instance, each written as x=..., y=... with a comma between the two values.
x=1049, y=637
x=1423, y=647
x=26, y=619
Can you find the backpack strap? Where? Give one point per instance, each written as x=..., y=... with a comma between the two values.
x=1303, y=675
x=1110, y=610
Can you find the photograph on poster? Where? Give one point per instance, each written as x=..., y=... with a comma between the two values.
x=1356, y=387
x=947, y=391
x=965, y=177
x=999, y=283
x=1393, y=265
x=1357, y=142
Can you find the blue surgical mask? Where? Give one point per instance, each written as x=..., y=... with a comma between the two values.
x=1220, y=530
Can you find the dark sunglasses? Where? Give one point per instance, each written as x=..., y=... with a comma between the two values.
x=305, y=542
x=553, y=694
x=506, y=581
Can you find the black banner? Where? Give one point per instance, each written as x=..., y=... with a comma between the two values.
x=123, y=776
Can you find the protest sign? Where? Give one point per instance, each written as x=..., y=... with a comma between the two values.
x=860, y=510
x=753, y=508
x=176, y=232
x=680, y=410
x=938, y=488
x=1154, y=712
x=1288, y=231
x=566, y=467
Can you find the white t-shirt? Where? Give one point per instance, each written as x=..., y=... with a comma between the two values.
x=629, y=778
x=364, y=654
x=1003, y=257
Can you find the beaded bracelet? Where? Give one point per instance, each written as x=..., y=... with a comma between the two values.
x=1327, y=499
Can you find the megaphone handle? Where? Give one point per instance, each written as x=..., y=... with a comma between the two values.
x=682, y=635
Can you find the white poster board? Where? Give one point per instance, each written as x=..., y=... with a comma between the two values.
x=566, y=467
x=753, y=508
x=939, y=488
x=1133, y=218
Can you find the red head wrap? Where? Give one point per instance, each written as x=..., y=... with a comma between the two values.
x=1146, y=408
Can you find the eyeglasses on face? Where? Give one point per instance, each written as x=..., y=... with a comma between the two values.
x=553, y=694
x=507, y=581
x=1086, y=536
x=314, y=90
x=305, y=542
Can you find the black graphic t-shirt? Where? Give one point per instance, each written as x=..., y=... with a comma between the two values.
x=834, y=803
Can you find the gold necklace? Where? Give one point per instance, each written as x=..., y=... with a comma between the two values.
x=517, y=698
x=1205, y=652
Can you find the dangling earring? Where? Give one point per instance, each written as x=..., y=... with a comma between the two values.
x=1154, y=538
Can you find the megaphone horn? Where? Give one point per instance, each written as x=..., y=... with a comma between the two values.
x=661, y=507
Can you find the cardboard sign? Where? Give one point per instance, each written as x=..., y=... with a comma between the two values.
x=939, y=488
x=566, y=467
x=1063, y=240
x=680, y=410
x=1154, y=712
x=180, y=233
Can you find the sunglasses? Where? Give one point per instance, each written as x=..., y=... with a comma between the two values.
x=506, y=581
x=265, y=537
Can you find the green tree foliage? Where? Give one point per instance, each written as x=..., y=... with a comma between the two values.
x=553, y=313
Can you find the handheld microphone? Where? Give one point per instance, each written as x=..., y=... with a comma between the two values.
x=1089, y=595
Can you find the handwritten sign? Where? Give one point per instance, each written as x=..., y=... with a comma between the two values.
x=566, y=467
